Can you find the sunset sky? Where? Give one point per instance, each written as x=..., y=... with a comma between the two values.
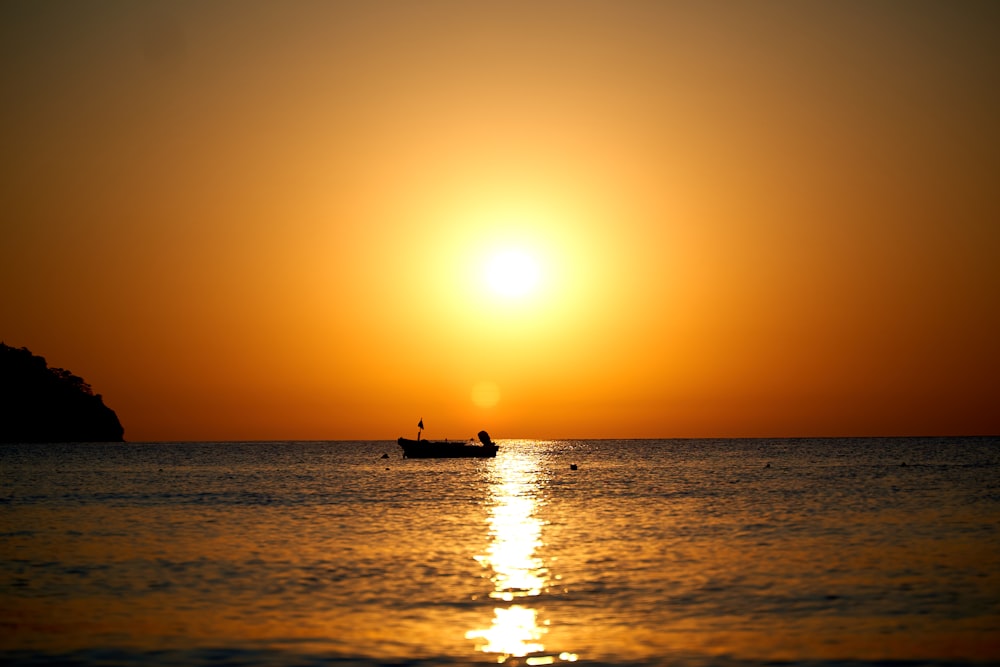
x=270, y=220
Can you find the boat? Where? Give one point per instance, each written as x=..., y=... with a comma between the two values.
x=448, y=449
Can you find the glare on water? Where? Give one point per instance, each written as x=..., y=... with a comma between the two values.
x=518, y=573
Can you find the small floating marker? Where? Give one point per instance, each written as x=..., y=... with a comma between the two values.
x=903, y=464
x=572, y=466
x=385, y=456
x=768, y=465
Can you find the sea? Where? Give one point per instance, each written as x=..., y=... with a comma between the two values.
x=735, y=552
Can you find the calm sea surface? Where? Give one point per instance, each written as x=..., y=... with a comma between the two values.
x=662, y=552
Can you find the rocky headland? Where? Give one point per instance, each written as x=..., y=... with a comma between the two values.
x=42, y=404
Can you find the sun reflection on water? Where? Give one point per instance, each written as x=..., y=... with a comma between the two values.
x=518, y=573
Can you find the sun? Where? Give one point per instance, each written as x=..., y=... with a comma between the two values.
x=512, y=273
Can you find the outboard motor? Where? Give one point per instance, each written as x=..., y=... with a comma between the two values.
x=484, y=438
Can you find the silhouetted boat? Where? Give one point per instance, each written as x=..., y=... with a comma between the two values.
x=449, y=449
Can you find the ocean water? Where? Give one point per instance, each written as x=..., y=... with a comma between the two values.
x=657, y=552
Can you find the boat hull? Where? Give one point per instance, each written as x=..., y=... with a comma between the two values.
x=444, y=449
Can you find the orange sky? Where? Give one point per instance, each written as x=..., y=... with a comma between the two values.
x=264, y=220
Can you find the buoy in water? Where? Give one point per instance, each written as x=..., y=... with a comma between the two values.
x=572, y=466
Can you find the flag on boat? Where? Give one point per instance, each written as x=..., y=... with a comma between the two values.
x=420, y=424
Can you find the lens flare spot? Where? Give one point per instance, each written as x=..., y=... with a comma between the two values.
x=486, y=394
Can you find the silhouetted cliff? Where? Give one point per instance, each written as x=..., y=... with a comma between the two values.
x=42, y=404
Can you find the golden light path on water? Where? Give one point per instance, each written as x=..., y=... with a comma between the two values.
x=518, y=573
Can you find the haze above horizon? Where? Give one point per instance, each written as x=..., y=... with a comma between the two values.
x=324, y=221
